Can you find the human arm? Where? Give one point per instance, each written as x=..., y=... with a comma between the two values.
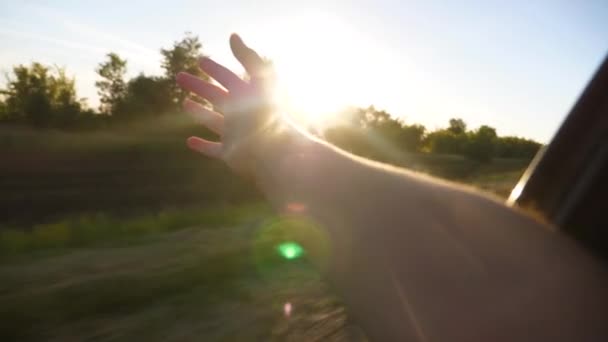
x=413, y=257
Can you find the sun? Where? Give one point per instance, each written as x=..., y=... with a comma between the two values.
x=325, y=64
x=318, y=60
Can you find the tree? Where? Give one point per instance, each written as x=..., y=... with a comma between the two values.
x=411, y=138
x=375, y=134
x=145, y=96
x=112, y=86
x=444, y=141
x=457, y=126
x=183, y=56
x=67, y=108
x=516, y=147
x=451, y=140
x=481, y=144
x=41, y=96
x=364, y=131
x=3, y=114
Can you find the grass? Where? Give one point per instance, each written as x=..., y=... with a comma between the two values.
x=124, y=171
x=99, y=229
x=124, y=235
x=213, y=276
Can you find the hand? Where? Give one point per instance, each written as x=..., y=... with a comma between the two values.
x=243, y=110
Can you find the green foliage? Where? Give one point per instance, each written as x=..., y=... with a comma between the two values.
x=516, y=147
x=112, y=87
x=445, y=141
x=451, y=140
x=3, y=113
x=41, y=96
x=182, y=56
x=457, y=126
x=411, y=137
x=99, y=229
x=375, y=134
x=481, y=144
x=146, y=96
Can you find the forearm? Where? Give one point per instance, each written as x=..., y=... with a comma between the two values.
x=409, y=253
x=414, y=258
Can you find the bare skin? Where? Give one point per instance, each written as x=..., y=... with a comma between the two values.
x=414, y=258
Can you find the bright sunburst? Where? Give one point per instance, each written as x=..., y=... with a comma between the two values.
x=318, y=62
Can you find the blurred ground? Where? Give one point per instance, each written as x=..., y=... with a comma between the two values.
x=188, y=285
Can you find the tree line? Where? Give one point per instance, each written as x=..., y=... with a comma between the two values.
x=45, y=97
x=377, y=135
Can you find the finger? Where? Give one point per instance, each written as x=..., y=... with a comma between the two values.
x=212, y=120
x=206, y=90
x=206, y=147
x=220, y=73
x=251, y=61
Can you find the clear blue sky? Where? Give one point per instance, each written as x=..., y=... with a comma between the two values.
x=516, y=65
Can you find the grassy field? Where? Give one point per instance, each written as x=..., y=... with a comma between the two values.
x=219, y=279
x=126, y=170
x=125, y=235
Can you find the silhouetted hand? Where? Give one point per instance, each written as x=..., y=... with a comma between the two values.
x=243, y=110
x=414, y=259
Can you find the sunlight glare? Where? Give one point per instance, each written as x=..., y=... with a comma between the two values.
x=320, y=62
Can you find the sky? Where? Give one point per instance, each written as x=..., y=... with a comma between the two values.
x=518, y=66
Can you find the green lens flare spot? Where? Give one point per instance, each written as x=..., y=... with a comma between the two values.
x=290, y=250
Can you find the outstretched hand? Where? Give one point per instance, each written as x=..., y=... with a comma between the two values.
x=241, y=112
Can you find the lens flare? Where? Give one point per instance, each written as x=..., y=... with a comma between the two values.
x=288, y=239
x=287, y=308
x=290, y=250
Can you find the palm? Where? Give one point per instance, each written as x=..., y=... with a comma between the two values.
x=242, y=107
